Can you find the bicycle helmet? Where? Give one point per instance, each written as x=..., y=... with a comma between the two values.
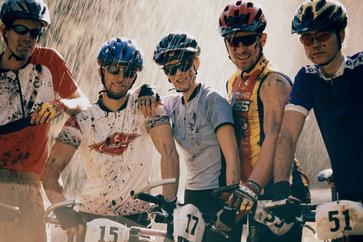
x=241, y=16
x=319, y=15
x=24, y=9
x=176, y=46
x=120, y=51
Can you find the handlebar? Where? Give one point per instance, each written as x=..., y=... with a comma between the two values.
x=51, y=208
x=216, y=192
x=306, y=210
x=9, y=213
x=151, y=185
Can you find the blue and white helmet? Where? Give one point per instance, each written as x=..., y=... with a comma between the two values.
x=120, y=51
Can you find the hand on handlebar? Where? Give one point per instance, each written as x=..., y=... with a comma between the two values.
x=243, y=199
x=71, y=221
x=68, y=218
x=287, y=210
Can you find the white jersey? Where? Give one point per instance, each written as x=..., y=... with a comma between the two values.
x=116, y=151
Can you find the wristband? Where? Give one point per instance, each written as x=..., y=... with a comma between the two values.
x=59, y=106
x=254, y=186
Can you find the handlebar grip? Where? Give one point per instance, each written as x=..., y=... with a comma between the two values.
x=149, y=198
x=216, y=192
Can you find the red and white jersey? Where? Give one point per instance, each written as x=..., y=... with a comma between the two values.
x=46, y=77
x=116, y=151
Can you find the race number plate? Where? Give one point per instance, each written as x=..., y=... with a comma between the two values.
x=188, y=224
x=105, y=230
x=275, y=224
x=338, y=219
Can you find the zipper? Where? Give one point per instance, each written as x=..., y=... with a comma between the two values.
x=20, y=93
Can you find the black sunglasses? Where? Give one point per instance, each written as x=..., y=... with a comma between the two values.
x=246, y=40
x=118, y=69
x=184, y=66
x=308, y=39
x=22, y=30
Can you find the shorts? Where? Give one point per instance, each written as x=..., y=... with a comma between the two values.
x=23, y=191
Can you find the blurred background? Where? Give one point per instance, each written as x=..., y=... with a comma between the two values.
x=80, y=27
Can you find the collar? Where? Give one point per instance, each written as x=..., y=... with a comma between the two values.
x=106, y=109
x=338, y=73
x=194, y=93
x=258, y=68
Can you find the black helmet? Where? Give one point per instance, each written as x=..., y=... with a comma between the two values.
x=176, y=46
x=319, y=15
x=120, y=51
x=12, y=10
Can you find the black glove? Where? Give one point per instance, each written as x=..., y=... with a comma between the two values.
x=68, y=217
x=147, y=90
x=288, y=211
x=226, y=218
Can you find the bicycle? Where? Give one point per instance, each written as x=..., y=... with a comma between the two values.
x=335, y=220
x=104, y=229
x=184, y=221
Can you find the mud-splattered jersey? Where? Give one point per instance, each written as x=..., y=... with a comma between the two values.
x=116, y=151
x=45, y=78
x=337, y=104
x=194, y=127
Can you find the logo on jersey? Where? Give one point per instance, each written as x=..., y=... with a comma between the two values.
x=241, y=105
x=115, y=144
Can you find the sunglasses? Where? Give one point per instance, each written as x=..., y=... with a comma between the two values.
x=118, y=69
x=184, y=66
x=22, y=30
x=308, y=39
x=246, y=40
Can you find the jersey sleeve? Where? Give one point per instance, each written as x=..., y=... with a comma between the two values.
x=300, y=97
x=71, y=133
x=218, y=110
x=62, y=78
x=158, y=119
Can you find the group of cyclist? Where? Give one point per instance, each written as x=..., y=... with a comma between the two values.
x=248, y=138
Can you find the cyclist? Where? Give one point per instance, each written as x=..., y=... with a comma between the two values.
x=36, y=86
x=257, y=94
x=332, y=87
x=115, y=142
x=202, y=124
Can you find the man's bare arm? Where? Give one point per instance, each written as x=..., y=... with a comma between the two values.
x=59, y=158
x=275, y=92
x=76, y=102
x=163, y=140
x=48, y=111
x=227, y=140
x=292, y=125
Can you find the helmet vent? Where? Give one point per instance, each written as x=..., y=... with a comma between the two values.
x=250, y=5
x=238, y=3
x=226, y=8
